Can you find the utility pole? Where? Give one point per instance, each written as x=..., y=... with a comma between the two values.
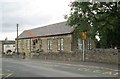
x=17, y=41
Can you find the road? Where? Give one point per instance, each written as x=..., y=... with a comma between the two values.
x=44, y=68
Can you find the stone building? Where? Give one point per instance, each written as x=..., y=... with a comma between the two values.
x=51, y=38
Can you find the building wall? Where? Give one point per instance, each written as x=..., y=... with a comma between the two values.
x=77, y=43
x=0, y=48
x=27, y=45
x=89, y=43
x=9, y=47
x=54, y=46
x=24, y=46
x=74, y=41
x=70, y=43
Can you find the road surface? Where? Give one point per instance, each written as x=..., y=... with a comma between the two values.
x=44, y=68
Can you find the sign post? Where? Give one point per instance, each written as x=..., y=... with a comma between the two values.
x=83, y=38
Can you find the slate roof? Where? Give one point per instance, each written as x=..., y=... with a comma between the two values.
x=53, y=29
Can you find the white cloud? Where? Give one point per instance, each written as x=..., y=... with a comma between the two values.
x=9, y=35
x=31, y=13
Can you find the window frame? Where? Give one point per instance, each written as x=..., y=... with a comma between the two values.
x=80, y=44
x=49, y=44
x=34, y=43
x=27, y=44
x=60, y=44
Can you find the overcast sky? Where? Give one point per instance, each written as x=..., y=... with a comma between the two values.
x=30, y=14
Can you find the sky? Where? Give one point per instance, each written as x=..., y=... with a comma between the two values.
x=30, y=14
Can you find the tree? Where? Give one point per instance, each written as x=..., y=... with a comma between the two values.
x=97, y=18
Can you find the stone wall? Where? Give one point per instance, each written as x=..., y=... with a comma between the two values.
x=96, y=55
x=103, y=56
x=26, y=45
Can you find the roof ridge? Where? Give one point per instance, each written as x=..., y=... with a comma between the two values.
x=47, y=25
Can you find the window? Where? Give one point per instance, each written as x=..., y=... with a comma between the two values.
x=34, y=43
x=22, y=44
x=40, y=43
x=80, y=44
x=89, y=44
x=60, y=44
x=49, y=42
x=27, y=44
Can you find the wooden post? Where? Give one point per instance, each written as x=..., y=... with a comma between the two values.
x=17, y=40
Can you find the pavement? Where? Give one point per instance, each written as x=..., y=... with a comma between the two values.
x=50, y=68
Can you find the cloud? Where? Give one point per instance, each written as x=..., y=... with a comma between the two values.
x=9, y=35
x=32, y=13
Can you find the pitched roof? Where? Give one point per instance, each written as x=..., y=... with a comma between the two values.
x=53, y=29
